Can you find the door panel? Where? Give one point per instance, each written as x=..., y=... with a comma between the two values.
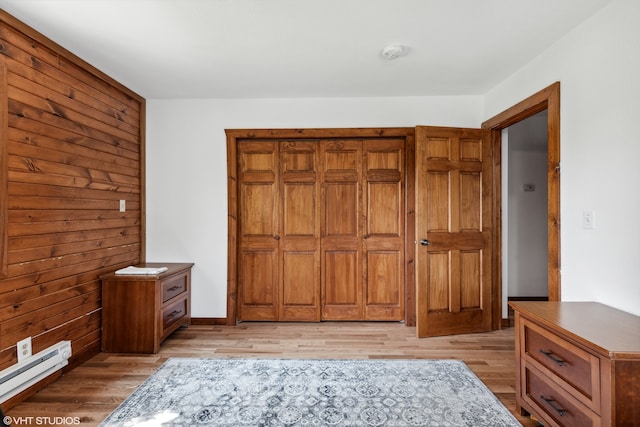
x=300, y=218
x=453, y=211
x=258, y=247
x=299, y=288
x=384, y=296
x=470, y=201
x=258, y=209
x=341, y=209
x=437, y=274
x=470, y=270
x=341, y=234
x=342, y=294
x=300, y=294
x=384, y=209
x=258, y=278
x=437, y=201
x=383, y=239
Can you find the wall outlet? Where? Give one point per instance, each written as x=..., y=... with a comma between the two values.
x=123, y=205
x=24, y=349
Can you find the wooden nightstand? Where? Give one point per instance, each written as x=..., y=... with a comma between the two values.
x=140, y=311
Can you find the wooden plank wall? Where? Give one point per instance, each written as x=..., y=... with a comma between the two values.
x=73, y=146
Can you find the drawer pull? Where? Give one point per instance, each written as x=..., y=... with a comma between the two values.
x=174, y=313
x=553, y=357
x=174, y=288
x=550, y=402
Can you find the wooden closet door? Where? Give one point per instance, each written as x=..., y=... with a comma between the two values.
x=383, y=239
x=341, y=243
x=299, y=254
x=258, y=212
x=321, y=229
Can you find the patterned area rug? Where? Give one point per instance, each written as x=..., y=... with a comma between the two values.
x=259, y=392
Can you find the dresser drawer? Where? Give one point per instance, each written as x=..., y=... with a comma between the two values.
x=173, y=313
x=557, y=405
x=173, y=286
x=578, y=369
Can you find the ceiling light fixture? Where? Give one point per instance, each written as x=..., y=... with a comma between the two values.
x=392, y=51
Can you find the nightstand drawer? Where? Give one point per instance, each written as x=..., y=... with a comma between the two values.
x=557, y=405
x=173, y=313
x=576, y=367
x=174, y=286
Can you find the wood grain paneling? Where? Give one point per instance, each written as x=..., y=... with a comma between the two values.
x=4, y=197
x=72, y=147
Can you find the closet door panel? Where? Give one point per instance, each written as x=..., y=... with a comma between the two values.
x=299, y=259
x=257, y=210
x=258, y=284
x=342, y=293
x=258, y=255
x=300, y=286
x=383, y=239
x=341, y=209
x=384, y=209
x=300, y=218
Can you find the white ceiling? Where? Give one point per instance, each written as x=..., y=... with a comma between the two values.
x=304, y=48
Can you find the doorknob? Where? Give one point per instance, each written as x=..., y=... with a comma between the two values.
x=425, y=242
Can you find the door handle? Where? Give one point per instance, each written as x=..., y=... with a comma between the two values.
x=425, y=242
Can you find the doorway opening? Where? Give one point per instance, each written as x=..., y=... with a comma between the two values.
x=546, y=102
x=524, y=212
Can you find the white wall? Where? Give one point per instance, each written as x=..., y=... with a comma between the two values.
x=527, y=256
x=598, y=65
x=187, y=176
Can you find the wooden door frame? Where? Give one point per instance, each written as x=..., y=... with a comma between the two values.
x=546, y=99
x=234, y=135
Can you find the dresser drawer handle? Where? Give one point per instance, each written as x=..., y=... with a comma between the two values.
x=174, y=288
x=553, y=357
x=550, y=402
x=174, y=313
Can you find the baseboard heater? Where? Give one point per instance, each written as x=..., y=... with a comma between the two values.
x=23, y=375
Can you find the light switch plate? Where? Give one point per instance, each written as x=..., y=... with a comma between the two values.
x=123, y=205
x=588, y=219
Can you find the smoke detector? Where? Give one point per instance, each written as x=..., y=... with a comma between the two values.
x=392, y=51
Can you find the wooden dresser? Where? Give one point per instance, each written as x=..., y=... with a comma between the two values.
x=140, y=311
x=577, y=364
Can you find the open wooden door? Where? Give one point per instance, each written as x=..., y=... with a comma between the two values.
x=453, y=226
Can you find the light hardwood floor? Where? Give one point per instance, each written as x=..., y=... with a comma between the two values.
x=97, y=387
